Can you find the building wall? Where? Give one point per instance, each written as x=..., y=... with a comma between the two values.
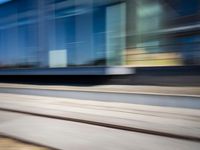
x=163, y=33
x=74, y=33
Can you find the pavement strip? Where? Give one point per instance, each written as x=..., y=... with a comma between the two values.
x=14, y=144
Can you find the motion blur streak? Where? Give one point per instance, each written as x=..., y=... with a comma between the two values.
x=74, y=33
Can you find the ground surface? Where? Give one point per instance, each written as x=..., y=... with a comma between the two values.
x=77, y=136
x=10, y=144
x=135, y=89
x=47, y=115
x=146, y=99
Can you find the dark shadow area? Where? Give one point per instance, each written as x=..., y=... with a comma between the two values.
x=162, y=76
x=55, y=79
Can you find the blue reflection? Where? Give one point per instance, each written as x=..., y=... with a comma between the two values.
x=100, y=32
x=4, y=1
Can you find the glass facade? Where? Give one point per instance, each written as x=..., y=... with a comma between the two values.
x=74, y=33
x=163, y=32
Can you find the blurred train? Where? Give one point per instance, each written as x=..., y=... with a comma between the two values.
x=97, y=37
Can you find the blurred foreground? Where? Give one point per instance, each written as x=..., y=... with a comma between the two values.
x=10, y=144
x=102, y=117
